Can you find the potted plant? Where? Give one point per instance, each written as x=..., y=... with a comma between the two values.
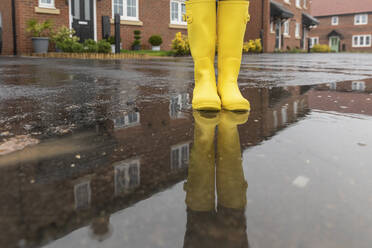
x=40, y=34
x=63, y=35
x=136, y=45
x=155, y=42
x=111, y=40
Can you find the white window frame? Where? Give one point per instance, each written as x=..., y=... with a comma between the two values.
x=298, y=4
x=305, y=4
x=50, y=5
x=78, y=203
x=358, y=86
x=181, y=163
x=284, y=114
x=125, y=13
x=272, y=30
x=180, y=20
x=123, y=121
x=359, y=17
x=314, y=41
x=364, y=40
x=122, y=177
x=286, y=28
x=298, y=30
x=334, y=20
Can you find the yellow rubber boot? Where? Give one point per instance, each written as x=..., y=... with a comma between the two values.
x=200, y=185
x=201, y=26
x=232, y=18
x=231, y=184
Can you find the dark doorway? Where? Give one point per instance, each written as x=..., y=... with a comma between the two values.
x=83, y=18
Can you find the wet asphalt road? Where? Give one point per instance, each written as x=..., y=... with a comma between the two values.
x=105, y=153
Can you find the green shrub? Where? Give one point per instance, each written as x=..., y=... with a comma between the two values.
x=39, y=29
x=63, y=34
x=155, y=40
x=180, y=45
x=66, y=46
x=318, y=48
x=77, y=47
x=136, y=45
x=111, y=40
x=90, y=46
x=104, y=46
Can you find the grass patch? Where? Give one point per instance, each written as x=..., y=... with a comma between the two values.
x=149, y=52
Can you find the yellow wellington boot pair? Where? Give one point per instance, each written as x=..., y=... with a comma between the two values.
x=230, y=26
x=228, y=171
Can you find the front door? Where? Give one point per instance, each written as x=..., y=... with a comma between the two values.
x=278, y=34
x=334, y=43
x=83, y=19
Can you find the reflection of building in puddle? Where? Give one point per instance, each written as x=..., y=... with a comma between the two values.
x=178, y=103
x=352, y=97
x=180, y=156
x=127, y=176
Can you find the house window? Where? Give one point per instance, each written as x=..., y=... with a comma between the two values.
x=177, y=104
x=298, y=26
x=127, y=176
x=362, y=40
x=177, y=10
x=127, y=9
x=361, y=19
x=284, y=115
x=127, y=120
x=334, y=20
x=180, y=156
x=82, y=194
x=272, y=27
x=298, y=3
x=305, y=4
x=358, y=86
x=287, y=1
x=314, y=41
x=46, y=3
x=286, y=28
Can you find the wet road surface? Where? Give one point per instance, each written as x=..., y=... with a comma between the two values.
x=110, y=154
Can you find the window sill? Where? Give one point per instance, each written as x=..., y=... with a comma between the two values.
x=358, y=24
x=286, y=36
x=51, y=11
x=127, y=22
x=288, y=3
x=298, y=7
x=298, y=38
x=179, y=26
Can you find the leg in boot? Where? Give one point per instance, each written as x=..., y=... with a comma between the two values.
x=201, y=25
x=232, y=18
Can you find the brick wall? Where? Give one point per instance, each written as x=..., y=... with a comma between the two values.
x=346, y=27
x=6, y=13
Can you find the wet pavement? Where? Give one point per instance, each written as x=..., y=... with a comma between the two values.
x=110, y=154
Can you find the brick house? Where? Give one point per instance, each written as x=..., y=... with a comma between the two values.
x=281, y=24
x=344, y=25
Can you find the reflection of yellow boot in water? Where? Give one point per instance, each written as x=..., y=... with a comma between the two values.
x=231, y=185
x=200, y=186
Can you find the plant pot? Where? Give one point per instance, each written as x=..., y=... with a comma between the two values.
x=113, y=47
x=40, y=44
x=136, y=47
x=155, y=48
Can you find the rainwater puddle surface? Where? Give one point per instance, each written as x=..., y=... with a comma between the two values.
x=110, y=154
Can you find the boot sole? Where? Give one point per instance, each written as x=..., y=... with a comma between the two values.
x=237, y=107
x=207, y=106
